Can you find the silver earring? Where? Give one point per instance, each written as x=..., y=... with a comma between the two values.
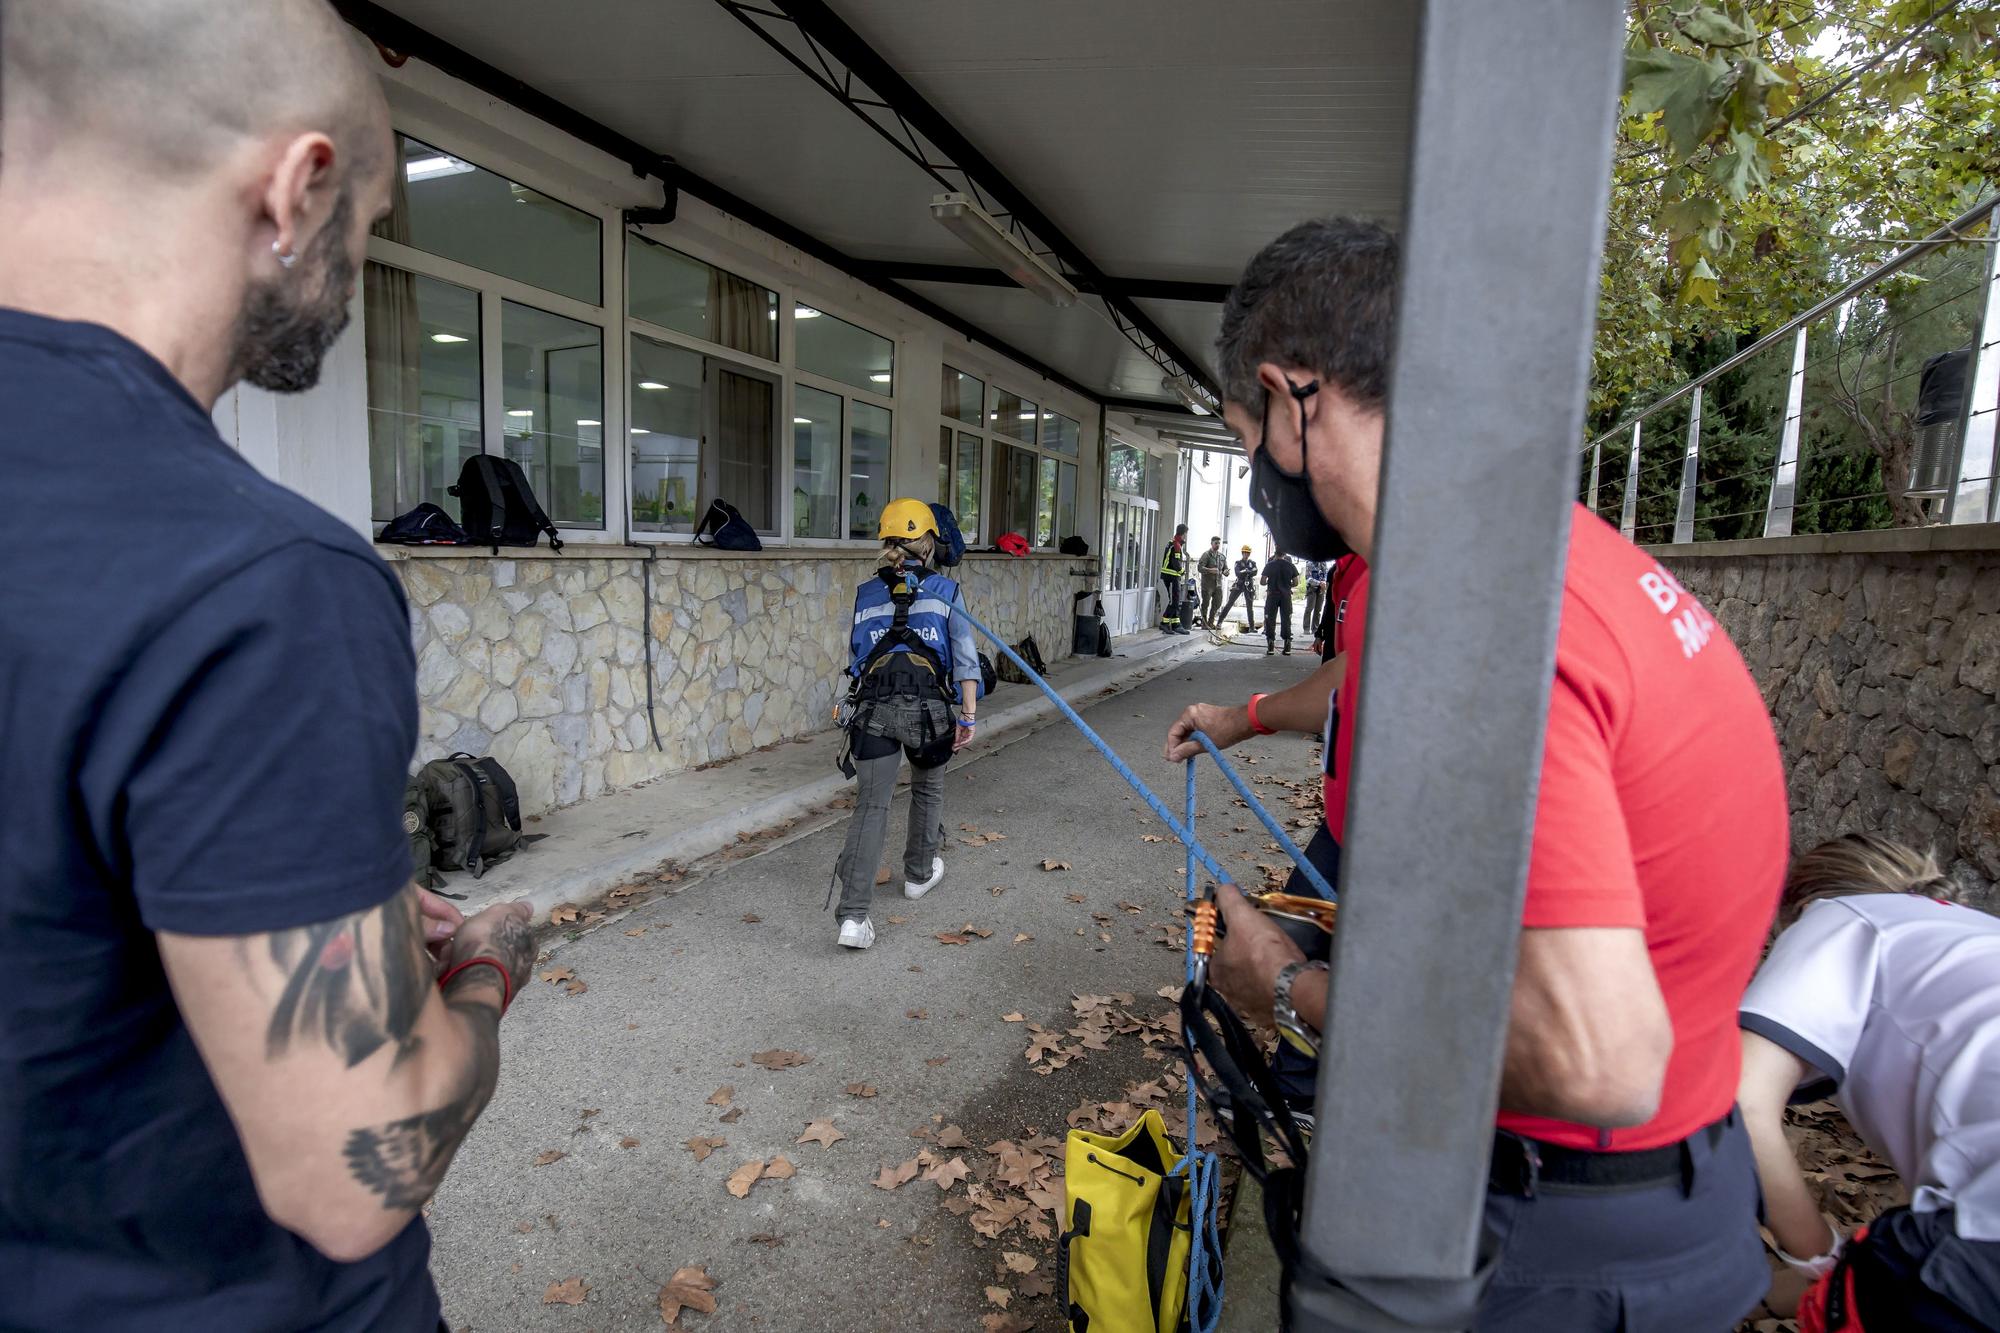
x=286, y=258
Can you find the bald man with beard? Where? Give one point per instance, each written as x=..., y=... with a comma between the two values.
x=229, y=1076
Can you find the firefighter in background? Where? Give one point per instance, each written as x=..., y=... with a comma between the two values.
x=1212, y=567
x=1173, y=572
x=1244, y=587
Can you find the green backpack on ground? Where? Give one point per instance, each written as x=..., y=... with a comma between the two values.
x=461, y=813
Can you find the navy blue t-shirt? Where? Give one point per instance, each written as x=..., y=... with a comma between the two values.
x=207, y=711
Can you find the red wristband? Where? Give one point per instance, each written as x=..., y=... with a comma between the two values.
x=506, y=978
x=1255, y=725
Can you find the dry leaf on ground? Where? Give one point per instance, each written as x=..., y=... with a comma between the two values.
x=552, y=1155
x=981, y=931
x=899, y=921
x=946, y=1174
x=743, y=1177
x=689, y=1289
x=780, y=1059
x=779, y=1168
x=1049, y=864
x=628, y=1142
x=563, y=913
x=821, y=1132
x=1152, y=837
x=1073, y=897
x=937, y=1060
x=951, y=1136
x=1023, y=938
x=882, y=875
x=569, y=1291
x=948, y=937
x=555, y=976
x=751, y=918
x=1016, y=1017
x=1017, y=1262
x=861, y=1090
x=894, y=1177
x=723, y=1095
x=1035, y=1284
x=731, y=1116
x=999, y=1296
x=636, y=932
x=916, y=1013
x=702, y=1147
x=1004, y=1323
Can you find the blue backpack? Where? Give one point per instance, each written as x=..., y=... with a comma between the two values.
x=726, y=528
x=951, y=542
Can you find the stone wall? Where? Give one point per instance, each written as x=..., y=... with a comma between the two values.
x=540, y=661
x=1881, y=670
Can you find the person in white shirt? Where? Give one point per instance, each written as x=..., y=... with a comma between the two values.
x=1884, y=992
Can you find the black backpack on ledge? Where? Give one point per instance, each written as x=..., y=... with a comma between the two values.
x=497, y=507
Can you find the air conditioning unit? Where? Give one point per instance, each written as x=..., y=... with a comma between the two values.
x=1940, y=422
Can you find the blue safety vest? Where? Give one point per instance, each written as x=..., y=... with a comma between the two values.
x=929, y=618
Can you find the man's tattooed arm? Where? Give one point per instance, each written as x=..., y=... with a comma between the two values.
x=404, y=1161
x=351, y=1078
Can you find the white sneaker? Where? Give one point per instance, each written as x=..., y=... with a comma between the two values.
x=912, y=889
x=857, y=934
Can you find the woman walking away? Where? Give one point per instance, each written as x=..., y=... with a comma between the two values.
x=916, y=685
x=1885, y=993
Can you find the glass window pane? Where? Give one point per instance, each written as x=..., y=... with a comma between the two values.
x=845, y=352
x=1059, y=433
x=665, y=435
x=446, y=206
x=964, y=396
x=944, y=465
x=1013, y=416
x=745, y=421
x=676, y=292
x=422, y=339
x=552, y=392
x=966, y=500
x=816, y=463
x=1065, y=501
x=1127, y=469
x=868, y=471
x=1017, y=498
x=1045, y=502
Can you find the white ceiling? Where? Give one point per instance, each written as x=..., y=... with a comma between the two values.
x=1167, y=138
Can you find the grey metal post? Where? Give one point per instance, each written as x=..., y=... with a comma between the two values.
x=1976, y=499
x=1690, y=467
x=1596, y=462
x=1628, y=514
x=1500, y=283
x=1785, y=478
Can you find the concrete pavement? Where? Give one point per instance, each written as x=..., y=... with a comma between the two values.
x=738, y=959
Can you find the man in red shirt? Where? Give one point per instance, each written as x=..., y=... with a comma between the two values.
x=1622, y=1184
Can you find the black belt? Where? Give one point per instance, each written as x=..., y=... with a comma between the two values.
x=1524, y=1166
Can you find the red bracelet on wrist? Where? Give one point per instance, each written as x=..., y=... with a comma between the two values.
x=1255, y=725
x=506, y=978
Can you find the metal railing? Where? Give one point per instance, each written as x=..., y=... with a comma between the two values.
x=1898, y=370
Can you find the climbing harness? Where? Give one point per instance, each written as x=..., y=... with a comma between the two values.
x=1245, y=1095
x=869, y=706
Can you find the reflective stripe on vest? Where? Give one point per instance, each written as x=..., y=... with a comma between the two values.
x=875, y=614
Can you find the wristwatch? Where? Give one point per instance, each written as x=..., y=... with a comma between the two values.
x=1297, y=1033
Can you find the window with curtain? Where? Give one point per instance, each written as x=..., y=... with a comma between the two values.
x=423, y=359
x=1013, y=416
x=676, y=292
x=552, y=396
x=1015, y=502
x=745, y=421
x=665, y=443
x=816, y=432
x=964, y=396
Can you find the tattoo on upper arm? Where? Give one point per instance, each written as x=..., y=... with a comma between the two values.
x=405, y=1160
x=353, y=996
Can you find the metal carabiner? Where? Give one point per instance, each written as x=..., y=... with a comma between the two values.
x=1315, y=912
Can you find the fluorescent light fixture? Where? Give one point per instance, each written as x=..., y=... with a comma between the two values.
x=805, y=312
x=586, y=421
x=881, y=377
x=651, y=384
x=430, y=168
x=640, y=430
x=1183, y=388
x=972, y=224
x=449, y=338
x=1027, y=416
x=802, y=421
x=520, y=411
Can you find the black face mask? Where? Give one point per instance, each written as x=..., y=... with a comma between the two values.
x=1284, y=500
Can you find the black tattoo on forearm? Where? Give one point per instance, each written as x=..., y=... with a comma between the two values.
x=354, y=999
x=405, y=1160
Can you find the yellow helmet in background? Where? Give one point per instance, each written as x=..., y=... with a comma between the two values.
x=904, y=520
x=1246, y=550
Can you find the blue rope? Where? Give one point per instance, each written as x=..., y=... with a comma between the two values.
x=1205, y=1289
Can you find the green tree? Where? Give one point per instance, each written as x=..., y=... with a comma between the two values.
x=1770, y=152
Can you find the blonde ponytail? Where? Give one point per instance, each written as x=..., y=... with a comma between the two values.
x=1861, y=863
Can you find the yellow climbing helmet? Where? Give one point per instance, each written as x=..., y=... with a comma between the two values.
x=1246, y=550
x=904, y=520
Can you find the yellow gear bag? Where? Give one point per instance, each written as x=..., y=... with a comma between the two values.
x=1123, y=1262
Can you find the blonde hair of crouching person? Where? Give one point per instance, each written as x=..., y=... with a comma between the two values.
x=1885, y=993
x=915, y=693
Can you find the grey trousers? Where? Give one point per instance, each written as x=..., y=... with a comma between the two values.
x=869, y=828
